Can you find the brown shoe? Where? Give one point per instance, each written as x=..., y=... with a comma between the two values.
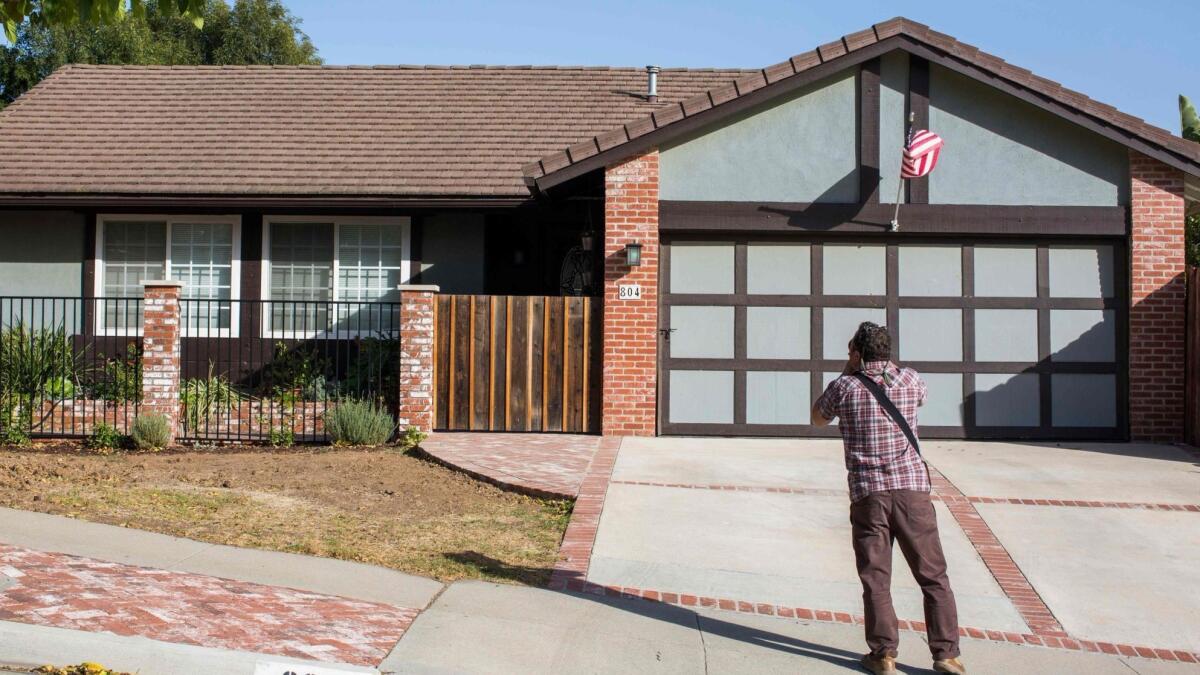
x=953, y=665
x=879, y=665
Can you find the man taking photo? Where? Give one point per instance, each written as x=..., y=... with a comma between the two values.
x=876, y=404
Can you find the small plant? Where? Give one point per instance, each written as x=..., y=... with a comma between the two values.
x=15, y=436
x=85, y=668
x=355, y=422
x=120, y=378
x=410, y=438
x=281, y=438
x=17, y=420
x=105, y=439
x=295, y=374
x=151, y=432
x=205, y=398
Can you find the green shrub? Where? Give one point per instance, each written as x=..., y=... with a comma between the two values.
x=281, y=438
x=355, y=422
x=33, y=362
x=207, y=397
x=411, y=438
x=151, y=432
x=295, y=374
x=120, y=379
x=105, y=439
x=16, y=419
x=14, y=435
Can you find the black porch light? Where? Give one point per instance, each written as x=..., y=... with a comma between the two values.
x=587, y=240
x=633, y=254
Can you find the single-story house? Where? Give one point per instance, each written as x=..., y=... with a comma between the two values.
x=741, y=220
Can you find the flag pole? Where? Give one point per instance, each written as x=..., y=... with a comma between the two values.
x=900, y=181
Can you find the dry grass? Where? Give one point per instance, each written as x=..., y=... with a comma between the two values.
x=373, y=506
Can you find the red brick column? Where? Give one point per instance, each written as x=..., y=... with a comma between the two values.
x=631, y=326
x=160, y=350
x=417, y=304
x=1156, y=316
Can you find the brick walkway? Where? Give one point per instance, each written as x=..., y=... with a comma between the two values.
x=545, y=465
x=63, y=591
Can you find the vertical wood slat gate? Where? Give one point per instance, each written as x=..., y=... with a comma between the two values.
x=517, y=363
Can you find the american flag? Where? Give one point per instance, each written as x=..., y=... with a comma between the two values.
x=921, y=154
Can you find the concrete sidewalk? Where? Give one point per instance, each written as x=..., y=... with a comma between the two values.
x=477, y=627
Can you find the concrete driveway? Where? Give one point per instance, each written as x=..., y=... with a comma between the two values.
x=1107, y=535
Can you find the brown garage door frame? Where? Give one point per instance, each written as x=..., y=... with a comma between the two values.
x=892, y=302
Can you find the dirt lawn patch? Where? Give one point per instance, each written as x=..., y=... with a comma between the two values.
x=372, y=506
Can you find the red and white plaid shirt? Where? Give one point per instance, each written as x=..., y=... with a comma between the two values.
x=878, y=456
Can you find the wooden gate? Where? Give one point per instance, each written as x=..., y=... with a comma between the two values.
x=517, y=363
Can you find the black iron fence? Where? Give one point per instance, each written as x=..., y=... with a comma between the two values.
x=270, y=370
x=68, y=365
x=251, y=370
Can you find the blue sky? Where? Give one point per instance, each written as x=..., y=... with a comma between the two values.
x=1137, y=56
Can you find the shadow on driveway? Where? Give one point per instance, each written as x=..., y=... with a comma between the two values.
x=706, y=623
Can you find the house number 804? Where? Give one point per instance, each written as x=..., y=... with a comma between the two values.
x=629, y=292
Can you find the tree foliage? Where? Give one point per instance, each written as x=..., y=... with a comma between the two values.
x=13, y=13
x=210, y=32
x=1190, y=123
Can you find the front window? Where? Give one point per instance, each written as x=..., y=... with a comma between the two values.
x=199, y=251
x=332, y=276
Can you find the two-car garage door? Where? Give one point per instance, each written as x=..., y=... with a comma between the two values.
x=1015, y=340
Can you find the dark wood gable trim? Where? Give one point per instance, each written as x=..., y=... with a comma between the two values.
x=777, y=218
x=917, y=105
x=1109, y=131
x=868, y=132
x=716, y=113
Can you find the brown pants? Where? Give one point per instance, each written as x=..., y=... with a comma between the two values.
x=905, y=516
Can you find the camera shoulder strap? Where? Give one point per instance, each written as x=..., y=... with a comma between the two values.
x=890, y=408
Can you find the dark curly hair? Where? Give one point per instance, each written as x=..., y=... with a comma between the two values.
x=872, y=341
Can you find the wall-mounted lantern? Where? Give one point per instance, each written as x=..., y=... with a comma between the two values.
x=633, y=254
x=587, y=240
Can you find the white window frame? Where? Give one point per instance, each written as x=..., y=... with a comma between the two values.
x=235, y=279
x=403, y=222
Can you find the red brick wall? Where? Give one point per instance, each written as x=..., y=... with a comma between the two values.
x=1156, y=318
x=416, y=357
x=160, y=351
x=631, y=326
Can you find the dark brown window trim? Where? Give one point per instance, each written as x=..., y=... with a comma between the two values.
x=975, y=219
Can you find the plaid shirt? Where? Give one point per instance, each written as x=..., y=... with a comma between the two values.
x=878, y=456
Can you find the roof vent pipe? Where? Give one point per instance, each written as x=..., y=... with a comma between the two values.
x=652, y=84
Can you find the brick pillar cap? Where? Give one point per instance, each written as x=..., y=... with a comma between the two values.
x=162, y=282
x=424, y=288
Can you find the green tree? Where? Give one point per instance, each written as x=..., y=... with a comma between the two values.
x=1190, y=124
x=13, y=13
x=251, y=32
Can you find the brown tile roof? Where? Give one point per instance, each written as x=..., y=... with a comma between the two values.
x=396, y=131
x=611, y=144
x=409, y=131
